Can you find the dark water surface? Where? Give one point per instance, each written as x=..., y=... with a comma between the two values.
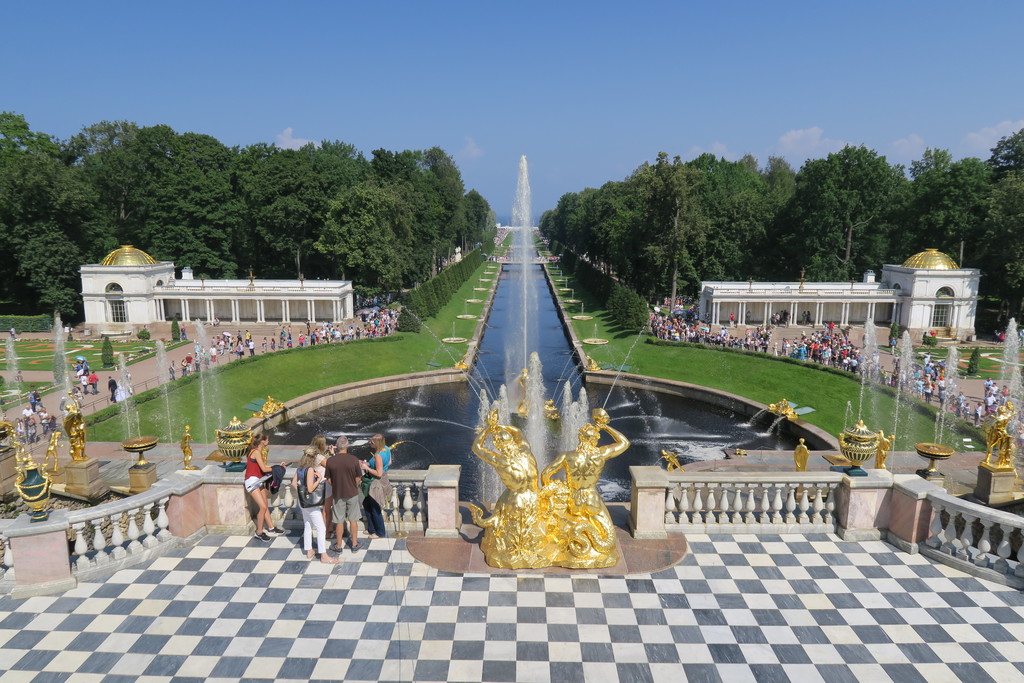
x=437, y=422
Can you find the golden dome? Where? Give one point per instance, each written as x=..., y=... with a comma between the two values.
x=931, y=259
x=127, y=255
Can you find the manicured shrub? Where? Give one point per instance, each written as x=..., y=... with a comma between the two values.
x=107, y=352
x=974, y=362
x=175, y=330
x=143, y=334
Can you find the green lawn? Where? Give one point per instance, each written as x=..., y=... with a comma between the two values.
x=754, y=377
x=288, y=374
x=990, y=365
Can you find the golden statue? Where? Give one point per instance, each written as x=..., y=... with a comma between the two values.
x=461, y=364
x=672, y=459
x=585, y=523
x=592, y=365
x=524, y=406
x=783, y=409
x=800, y=456
x=270, y=406
x=882, y=449
x=74, y=427
x=186, y=448
x=7, y=430
x=51, y=454
x=998, y=439
x=550, y=411
x=513, y=537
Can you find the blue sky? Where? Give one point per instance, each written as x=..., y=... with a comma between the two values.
x=586, y=90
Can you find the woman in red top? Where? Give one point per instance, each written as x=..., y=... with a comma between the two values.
x=256, y=468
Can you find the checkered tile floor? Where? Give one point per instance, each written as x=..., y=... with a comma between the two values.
x=739, y=608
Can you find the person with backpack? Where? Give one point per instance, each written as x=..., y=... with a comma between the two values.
x=311, y=486
x=373, y=507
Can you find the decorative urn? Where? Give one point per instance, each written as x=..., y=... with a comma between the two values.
x=233, y=439
x=139, y=445
x=858, y=444
x=933, y=452
x=33, y=485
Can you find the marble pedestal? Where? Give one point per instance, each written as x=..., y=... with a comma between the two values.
x=995, y=486
x=82, y=480
x=141, y=477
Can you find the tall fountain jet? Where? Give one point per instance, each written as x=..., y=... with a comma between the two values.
x=522, y=253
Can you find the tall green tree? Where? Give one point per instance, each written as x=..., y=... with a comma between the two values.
x=1008, y=154
x=1004, y=249
x=840, y=217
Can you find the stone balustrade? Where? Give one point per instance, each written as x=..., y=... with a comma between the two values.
x=732, y=502
x=6, y=556
x=976, y=539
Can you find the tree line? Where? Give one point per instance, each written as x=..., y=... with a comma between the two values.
x=671, y=224
x=322, y=211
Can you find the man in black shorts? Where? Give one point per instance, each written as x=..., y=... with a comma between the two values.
x=344, y=473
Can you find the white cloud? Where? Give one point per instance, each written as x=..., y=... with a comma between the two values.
x=806, y=143
x=471, y=150
x=981, y=142
x=909, y=148
x=285, y=140
x=718, y=149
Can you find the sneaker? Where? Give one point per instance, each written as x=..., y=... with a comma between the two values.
x=274, y=531
x=262, y=537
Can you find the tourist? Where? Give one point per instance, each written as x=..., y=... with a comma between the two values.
x=94, y=382
x=257, y=471
x=264, y=345
x=308, y=475
x=112, y=388
x=344, y=474
x=381, y=464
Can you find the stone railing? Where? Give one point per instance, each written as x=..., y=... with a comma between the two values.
x=119, y=534
x=732, y=502
x=976, y=539
x=89, y=544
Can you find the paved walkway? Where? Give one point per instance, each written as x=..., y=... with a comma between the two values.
x=738, y=608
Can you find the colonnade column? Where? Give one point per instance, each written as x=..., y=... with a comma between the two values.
x=871, y=312
x=234, y=311
x=742, y=313
x=844, y=313
x=261, y=311
x=286, y=311
x=185, y=313
x=817, y=313
x=767, y=306
x=793, y=313
x=309, y=311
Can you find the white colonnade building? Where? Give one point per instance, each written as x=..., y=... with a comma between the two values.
x=129, y=289
x=928, y=293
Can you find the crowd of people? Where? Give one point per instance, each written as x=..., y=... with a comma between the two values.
x=335, y=491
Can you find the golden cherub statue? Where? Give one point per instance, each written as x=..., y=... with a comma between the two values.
x=550, y=411
x=51, y=454
x=999, y=440
x=186, y=448
x=74, y=427
x=783, y=409
x=524, y=406
x=592, y=365
x=882, y=449
x=672, y=459
x=800, y=456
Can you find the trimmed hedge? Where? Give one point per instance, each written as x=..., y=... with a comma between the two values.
x=26, y=323
x=427, y=300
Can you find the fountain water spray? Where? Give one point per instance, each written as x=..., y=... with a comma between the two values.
x=163, y=369
x=1010, y=375
x=868, y=364
x=12, y=366
x=950, y=389
x=904, y=376
x=126, y=401
x=61, y=380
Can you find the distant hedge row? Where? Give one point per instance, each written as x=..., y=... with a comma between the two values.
x=627, y=308
x=26, y=323
x=426, y=300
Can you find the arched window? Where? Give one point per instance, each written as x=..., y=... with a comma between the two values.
x=115, y=302
x=159, y=283
x=945, y=293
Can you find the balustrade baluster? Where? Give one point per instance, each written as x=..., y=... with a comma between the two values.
x=738, y=505
x=984, y=556
x=133, y=532
x=162, y=522
x=725, y=504
x=1019, y=571
x=407, y=504
x=803, y=506
x=684, y=504
x=81, y=546
x=936, y=531
x=830, y=504
x=117, y=537
x=148, y=527
x=99, y=542
x=1003, y=550
x=749, y=516
x=967, y=539
x=8, y=553
x=766, y=506
x=670, y=507
x=698, y=504
x=790, y=504
x=818, y=507
x=776, y=513
x=710, y=517
x=952, y=543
